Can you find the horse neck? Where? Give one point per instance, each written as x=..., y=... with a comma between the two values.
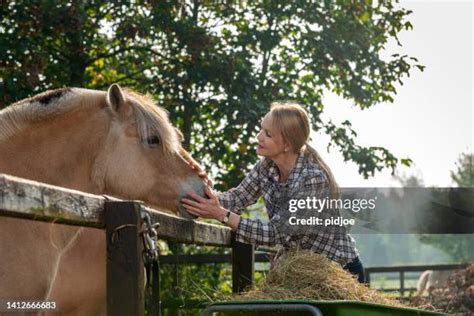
x=59, y=151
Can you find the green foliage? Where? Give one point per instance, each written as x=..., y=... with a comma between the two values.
x=464, y=174
x=459, y=247
x=215, y=67
x=184, y=284
x=196, y=281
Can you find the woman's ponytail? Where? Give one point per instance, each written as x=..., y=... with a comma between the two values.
x=333, y=187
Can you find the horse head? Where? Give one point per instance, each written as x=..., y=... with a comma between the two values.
x=142, y=157
x=117, y=143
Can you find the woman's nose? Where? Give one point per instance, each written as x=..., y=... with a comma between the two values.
x=259, y=136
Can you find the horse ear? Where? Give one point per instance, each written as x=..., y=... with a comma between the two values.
x=116, y=99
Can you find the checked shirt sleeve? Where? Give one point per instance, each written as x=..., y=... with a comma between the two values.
x=278, y=231
x=257, y=232
x=245, y=194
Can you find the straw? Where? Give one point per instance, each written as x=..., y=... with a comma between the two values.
x=305, y=275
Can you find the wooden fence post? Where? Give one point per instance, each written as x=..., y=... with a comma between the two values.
x=367, y=277
x=125, y=273
x=242, y=265
x=402, y=283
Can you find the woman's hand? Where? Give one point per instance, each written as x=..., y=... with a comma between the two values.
x=204, y=207
x=195, y=166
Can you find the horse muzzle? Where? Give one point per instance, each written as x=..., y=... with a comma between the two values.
x=196, y=186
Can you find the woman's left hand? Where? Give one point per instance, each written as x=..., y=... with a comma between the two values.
x=204, y=207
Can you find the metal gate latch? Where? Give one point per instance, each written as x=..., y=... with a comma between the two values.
x=150, y=238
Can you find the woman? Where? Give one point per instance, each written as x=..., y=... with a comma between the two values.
x=289, y=171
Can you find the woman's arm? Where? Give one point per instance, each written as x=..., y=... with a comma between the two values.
x=218, y=204
x=257, y=232
x=245, y=194
x=247, y=230
x=278, y=229
x=210, y=208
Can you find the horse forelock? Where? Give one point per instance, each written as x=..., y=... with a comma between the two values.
x=153, y=120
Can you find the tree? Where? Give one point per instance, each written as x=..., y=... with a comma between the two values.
x=459, y=247
x=215, y=67
x=48, y=44
x=464, y=174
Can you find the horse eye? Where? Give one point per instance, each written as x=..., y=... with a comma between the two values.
x=153, y=141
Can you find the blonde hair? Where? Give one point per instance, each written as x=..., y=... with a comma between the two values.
x=292, y=120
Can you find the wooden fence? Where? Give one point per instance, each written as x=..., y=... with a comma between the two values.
x=37, y=201
x=402, y=270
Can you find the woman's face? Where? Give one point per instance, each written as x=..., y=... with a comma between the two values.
x=270, y=140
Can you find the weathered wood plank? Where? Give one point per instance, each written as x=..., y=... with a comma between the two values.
x=417, y=268
x=34, y=200
x=190, y=231
x=39, y=201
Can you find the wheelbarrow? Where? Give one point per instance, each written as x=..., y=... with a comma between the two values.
x=309, y=308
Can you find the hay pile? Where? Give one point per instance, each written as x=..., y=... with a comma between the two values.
x=306, y=275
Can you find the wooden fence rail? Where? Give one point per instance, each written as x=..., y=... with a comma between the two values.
x=42, y=202
x=401, y=270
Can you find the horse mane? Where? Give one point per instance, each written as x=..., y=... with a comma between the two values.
x=151, y=119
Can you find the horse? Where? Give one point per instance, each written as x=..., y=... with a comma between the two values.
x=116, y=143
x=431, y=279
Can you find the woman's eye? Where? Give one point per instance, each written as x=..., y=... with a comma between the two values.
x=153, y=141
x=268, y=134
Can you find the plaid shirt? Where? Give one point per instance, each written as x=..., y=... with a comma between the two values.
x=305, y=180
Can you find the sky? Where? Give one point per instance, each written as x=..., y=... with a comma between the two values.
x=431, y=119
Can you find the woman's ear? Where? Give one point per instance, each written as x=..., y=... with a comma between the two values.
x=287, y=147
